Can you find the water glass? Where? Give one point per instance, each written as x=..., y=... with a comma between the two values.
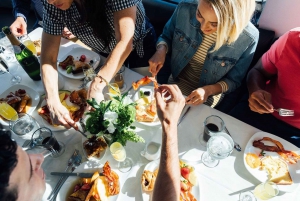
x=212, y=126
x=43, y=137
x=6, y=48
x=119, y=154
x=22, y=124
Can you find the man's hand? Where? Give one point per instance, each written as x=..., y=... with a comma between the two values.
x=19, y=27
x=67, y=34
x=60, y=115
x=169, y=110
x=261, y=101
x=197, y=97
x=157, y=61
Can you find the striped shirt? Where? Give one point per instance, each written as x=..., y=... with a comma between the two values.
x=55, y=20
x=189, y=77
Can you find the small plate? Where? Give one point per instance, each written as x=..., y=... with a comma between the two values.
x=94, y=158
x=262, y=175
x=88, y=167
x=76, y=53
x=136, y=96
x=147, y=196
x=35, y=98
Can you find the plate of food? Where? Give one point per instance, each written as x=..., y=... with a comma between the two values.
x=74, y=62
x=94, y=148
x=103, y=185
x=268, y=156
x=22, y=98
x=188, y=181
x=74, y=101
x=146, y=112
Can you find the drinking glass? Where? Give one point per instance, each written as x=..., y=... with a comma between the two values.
x=119, y=154
x=263, y=191
x=6, y=48
x=119, y=79
x=212, y=125
x=113, y=90
x=12, y=70
x=43, y=137
x=219, y=147
x=22, y=124
x=25, y=39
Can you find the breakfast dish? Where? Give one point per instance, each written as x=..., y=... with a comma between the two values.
x=25, y=98
x=192, y=191
x=270, y=142
x=38, y=45
x=89, y=192
x=146, y=113
x=93, y=149
x=75, y=58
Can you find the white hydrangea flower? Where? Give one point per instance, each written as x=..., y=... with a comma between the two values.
x=111, y=128
x=127, y=100
x=111, y=117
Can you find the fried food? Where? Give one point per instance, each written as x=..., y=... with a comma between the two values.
x=23, y=103
x=94, y=146
x=148, y=180
x=113, y=179
x=144, y=81
x=38, y=45
x=68, y=61
x=252, y=160
x=18, y=100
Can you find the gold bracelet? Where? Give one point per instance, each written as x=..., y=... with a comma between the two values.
x=102, y=79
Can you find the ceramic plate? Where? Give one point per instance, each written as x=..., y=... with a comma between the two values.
x=35, y=97
x=46, y=124
x=261, y=175
x=83, y=139
x=153, y=166
x=68, y=186
x=136, y=96
x=76, y=53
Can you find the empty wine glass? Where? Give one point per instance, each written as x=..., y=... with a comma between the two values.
x=6, y=48
x=43, y=137
x=119, y=154
x=219, y=147
x=263, y=191
x=12, y=70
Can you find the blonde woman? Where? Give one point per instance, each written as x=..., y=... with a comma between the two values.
x=211, y=43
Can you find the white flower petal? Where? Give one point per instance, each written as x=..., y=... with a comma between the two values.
x=111, y=128
x=110, y=116
x=127, y=100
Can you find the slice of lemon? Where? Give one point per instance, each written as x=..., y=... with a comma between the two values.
x=193, y=178
x=62, y=96
x=8, y=112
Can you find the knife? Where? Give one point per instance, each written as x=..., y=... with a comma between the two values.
x=184, y=114
x=76, y=174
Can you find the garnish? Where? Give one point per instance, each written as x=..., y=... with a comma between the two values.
x=262, y=153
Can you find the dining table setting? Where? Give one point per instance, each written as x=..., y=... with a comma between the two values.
x=224, y=177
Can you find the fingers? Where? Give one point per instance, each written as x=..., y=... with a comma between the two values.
x=260, y=101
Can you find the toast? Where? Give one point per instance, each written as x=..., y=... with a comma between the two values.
x=93, y=146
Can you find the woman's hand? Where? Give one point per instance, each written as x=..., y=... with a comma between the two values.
x=157, y=61
x=197, y=97
x=96, y=90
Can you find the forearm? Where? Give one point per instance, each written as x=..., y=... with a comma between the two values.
x=256, y=80
x=167, y=185
x=213, y=89
x=21, y=8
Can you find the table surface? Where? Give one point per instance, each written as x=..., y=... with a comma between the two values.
x=223, y=182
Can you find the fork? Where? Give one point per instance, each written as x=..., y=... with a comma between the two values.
x=284, y=112
x=70, y=164
x=236, y=145
x=77, y=162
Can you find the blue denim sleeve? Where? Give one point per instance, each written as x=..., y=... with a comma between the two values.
x=235, y=76
x=21, y=8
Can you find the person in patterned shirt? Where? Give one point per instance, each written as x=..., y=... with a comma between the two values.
x=119, y=29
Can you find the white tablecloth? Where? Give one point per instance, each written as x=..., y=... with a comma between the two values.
x=223, y=182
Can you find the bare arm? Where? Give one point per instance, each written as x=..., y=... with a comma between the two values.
x=49, y=52
x=259, y=100
x=124, y=22
x=167, y=185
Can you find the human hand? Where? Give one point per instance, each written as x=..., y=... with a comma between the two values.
x=261, y=101
x=197, y=97
x=169, y=110
x=96, y=91
x=60, y=115
x=67, y=34
x=156, y=62
x=19, y=27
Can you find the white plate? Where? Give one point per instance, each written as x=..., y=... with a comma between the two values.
x=32, y=93
x=136, y=96
x=94, y=158
x=153, y=166
x=76, y=53
x=68, y=186
x=261, y=175
x=46, y=124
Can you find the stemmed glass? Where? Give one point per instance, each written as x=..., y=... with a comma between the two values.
x=43, y=137
x=113, y=90
x=219, y=147
x=119, y=79
x=119, y=154
x=263, y=191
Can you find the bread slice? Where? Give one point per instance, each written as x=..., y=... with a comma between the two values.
x=277, y=169
x=99, y=190
x=93, y=146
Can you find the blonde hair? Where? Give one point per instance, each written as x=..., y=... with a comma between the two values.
x=233, y=16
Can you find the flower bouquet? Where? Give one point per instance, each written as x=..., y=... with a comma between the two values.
x=112, y=119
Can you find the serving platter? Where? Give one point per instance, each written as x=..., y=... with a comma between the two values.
x=136, y=96
x=87, y=167
x=153, y=165
x=262, y=175
x=76, y=53
x=34, y=95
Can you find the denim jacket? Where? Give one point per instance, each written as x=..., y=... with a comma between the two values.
x=229, y=63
